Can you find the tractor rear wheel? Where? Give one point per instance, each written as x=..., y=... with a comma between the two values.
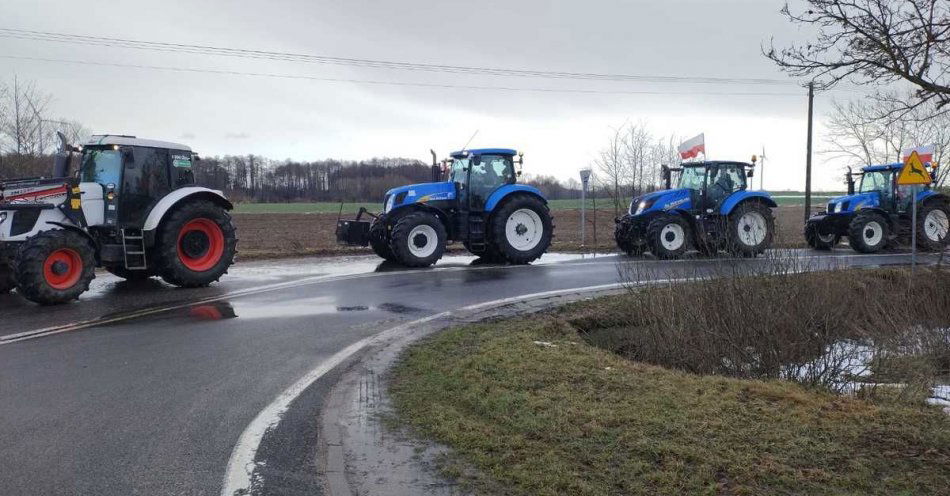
x=195, y=245
x=819, y=240
x=129, y=275
x=418, y=240
x=378, y=241
x=750, y=229
x=868, y=232
x=628, y=240
x=54, y=266
x=521, y=229
x=667, y=236
x=933, y=226
x=6, y=278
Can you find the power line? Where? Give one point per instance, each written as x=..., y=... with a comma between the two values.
x=392, y=83
x=370, y=63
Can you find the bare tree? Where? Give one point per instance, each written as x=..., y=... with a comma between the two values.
x=637, y=144
x=874, y=42
x=613, y=168
x=858, y=133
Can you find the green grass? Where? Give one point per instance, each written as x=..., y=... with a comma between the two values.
x=575, y=419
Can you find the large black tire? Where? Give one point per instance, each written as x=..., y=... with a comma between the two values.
x=195, y=244
x=668, y=236
x=819, y=240
x=379, y=242
x=868, y=232
x=750, y=229
x=531, y=229
x=54, y=267
x=933, y=226
x=628, y=240
x=129, y=275
x=418, y=240
x=7, y=282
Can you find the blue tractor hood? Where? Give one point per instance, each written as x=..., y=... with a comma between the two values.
x=850, y=203
x=670, y=199
x=419, y=193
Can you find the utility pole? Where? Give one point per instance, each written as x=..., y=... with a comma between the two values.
x=762, y=169
x=811, y=105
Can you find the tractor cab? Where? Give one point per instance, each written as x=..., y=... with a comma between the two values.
x=479, y=173
x=122, y=177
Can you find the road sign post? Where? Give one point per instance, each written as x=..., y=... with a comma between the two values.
x=913, y=174
x=585, y=178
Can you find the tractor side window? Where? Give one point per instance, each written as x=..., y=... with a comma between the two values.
x=723, y=181
x=693, y=178
x=146, y=181
x=102, y=166
x=488, y=173
x=459, y=174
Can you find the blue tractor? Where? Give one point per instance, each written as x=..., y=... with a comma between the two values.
x=880, y=213
x=711, y=210
x=474, y=198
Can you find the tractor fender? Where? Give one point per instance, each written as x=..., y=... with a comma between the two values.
x=172, y=199
x=743, y=196
x=507, y=190
x=74, y=228
x=930, y=195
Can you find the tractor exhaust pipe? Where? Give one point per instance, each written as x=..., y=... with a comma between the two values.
x=61, y=159
x=667, y=177
x=436, y=170
x=849, y=177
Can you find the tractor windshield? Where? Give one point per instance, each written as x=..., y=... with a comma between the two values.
x=693, y=177
x=101, y=165
x=458, y=172
x=876, y=181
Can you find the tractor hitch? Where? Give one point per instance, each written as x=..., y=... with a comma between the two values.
x=354, y=232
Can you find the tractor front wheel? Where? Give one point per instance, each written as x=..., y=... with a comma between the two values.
x=667, y=235
x=54, y=267
x=868, y=232
x=521, y=229
x=628, y=239
x=418, y=240
x=933, y=226
x=196, y=244
x=751, y=228
x=379, y=242
x=819, y=240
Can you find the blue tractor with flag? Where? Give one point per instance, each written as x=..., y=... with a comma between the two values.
x=880, y=212
x=474, y=198
x=710, y=210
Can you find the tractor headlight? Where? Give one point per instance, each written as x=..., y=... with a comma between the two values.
x=389, y=203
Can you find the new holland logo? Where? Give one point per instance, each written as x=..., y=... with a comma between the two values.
x=674, y=204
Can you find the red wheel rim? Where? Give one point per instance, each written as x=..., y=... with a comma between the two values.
x=62, y=268
x=200, y=244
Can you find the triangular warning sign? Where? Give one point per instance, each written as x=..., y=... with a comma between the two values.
x=913, y=172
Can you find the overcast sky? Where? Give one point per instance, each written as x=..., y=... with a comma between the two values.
x=303, y=119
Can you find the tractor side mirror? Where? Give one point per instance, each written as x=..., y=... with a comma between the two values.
x=750, y=173
x=128, y=160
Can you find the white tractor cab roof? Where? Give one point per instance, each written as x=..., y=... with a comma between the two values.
x=117, y=139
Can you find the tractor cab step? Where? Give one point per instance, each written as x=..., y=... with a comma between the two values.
x=476, y=233
x=133, y=249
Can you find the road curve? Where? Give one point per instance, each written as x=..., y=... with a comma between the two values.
x=146, y=389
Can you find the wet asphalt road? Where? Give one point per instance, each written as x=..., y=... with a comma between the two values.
x=154, y=403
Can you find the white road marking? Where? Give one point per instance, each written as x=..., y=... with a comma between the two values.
x=238, y=477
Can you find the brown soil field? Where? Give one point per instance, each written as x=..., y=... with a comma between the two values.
x=286, y=235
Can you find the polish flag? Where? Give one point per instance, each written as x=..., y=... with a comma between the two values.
x=926, y=153
x=692, y=147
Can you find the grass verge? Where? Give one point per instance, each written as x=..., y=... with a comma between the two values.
x=537, y=410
